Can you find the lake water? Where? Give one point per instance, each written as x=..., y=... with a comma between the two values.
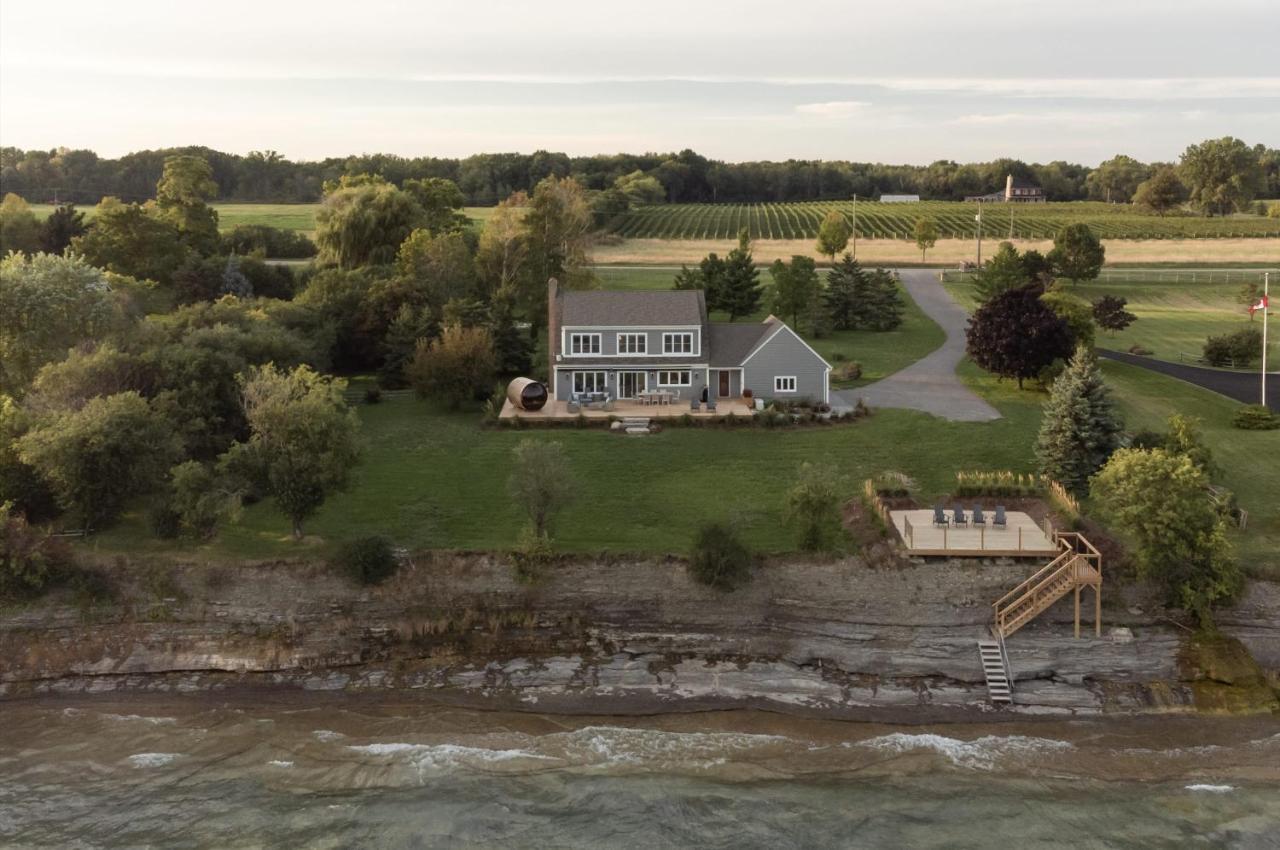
x=336, y=773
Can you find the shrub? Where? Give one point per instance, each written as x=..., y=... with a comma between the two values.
x=813, y=507
x=1239, y=348
x=373, y=395
x=1146, y=439
x=850, y=371
x=1140, y=351
x=30, y=559
x=532, y=555
x=719, y=559
x=369, y=560
x=1255, y=417
x=164, y=520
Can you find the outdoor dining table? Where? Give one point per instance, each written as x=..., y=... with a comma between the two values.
x=655, y=396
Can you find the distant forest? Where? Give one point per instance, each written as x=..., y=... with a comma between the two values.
x=83, y=177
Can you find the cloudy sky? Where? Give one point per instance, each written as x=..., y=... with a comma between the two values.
x=896, y=81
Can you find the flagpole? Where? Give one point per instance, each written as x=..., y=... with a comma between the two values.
x=1266, y=286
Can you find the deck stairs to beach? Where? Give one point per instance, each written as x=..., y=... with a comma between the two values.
x=1077, y=565
x=635, y=424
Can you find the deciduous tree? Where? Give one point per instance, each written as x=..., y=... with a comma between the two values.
x=1016, y=335
x=1080, y=428
x=458, y=367
x=557, y=230
x=1159, y=499
x=1222, y=175
x=132, y=240
x=833, y=234
x=1077, y=253
x=1110, y=314
x=441, y=201
x=926, y=234
x=182, y=197
x=303, y=443
x=364, y=220
x=1162, y=191
x=19, y=230
x=796, y=287
x=439, y=266
x=541, y=483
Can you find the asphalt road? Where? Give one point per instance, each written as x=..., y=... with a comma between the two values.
x=1242, y=386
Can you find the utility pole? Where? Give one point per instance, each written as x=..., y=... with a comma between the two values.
x=978, y=218
x=855, y=225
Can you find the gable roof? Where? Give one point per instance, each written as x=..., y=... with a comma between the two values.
x=602, y=308
x=775, y=327
x=731, y=342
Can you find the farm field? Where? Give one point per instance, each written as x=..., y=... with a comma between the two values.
x=954, y=220
x=879, y=354
x=1174, y=318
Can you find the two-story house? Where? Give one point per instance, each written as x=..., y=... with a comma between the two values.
x=627, y=343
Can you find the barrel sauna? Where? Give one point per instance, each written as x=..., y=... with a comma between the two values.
x=527, y=394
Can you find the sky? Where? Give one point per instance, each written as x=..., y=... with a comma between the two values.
x=901, y=81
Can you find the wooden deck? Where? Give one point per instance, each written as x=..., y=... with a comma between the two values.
x=560, y=410
x=1021, y=538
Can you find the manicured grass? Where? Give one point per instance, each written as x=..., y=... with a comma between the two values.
x=880, y=354
x=1174, y=318
x=1249, y=461
x=436, y=479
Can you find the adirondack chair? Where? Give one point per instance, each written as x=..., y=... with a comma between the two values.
x=693, y=404
x=959, y=519
x=978, y=517
x=939, y=517
x=999, y=521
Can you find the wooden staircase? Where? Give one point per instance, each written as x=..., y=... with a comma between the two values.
x=1078, y=565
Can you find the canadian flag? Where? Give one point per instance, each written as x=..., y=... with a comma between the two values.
x=1261, y=305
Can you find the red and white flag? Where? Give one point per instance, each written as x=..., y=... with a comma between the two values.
x=1261, y=305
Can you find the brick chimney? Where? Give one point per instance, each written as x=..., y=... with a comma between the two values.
x=1008, y=187
x=553, y=332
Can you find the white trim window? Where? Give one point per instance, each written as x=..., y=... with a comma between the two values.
x=677, y=343
x=675, y=379
x=784, y=383
x=633, y=343
x=589, y=382
x=584, y=343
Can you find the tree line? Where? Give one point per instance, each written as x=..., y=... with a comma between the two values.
x=84, y=177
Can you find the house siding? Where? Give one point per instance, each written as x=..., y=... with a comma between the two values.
x=564, y=377
x=785, y=354
x=653, y=342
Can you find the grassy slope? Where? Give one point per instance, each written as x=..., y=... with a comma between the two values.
x=880, y=354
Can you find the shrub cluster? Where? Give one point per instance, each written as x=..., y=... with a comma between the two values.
x=719, y=559
x=266, y=241
x=368, y=560
x=1239, y=348
x=1255, y=417
x=997, y=483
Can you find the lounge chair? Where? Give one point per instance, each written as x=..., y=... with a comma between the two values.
x=978, y=518
x=939, y=517
x=959, y=520
x=999, y=521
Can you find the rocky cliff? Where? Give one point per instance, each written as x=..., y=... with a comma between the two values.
x=596, y=636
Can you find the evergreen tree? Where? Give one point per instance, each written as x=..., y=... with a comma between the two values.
x=401, y=342
x=884, y=305
x=63, y=224
x=1005, y=271
x=511, y=348
x=233, y=280
x=841, y=298
x=688, y=278
x=739, y=293
x=1081, y=427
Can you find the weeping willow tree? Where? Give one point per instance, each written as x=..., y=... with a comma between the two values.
x=363, y=220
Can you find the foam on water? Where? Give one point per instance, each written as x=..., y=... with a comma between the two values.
x=152, y=759
x=445, y=756
x=279, y=763
x=980, y=753
x=327, y=735
x=1212, y=789
x=138, y=718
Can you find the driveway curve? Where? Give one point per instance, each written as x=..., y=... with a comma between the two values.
x=931, y=383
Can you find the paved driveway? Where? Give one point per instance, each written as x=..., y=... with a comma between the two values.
x=930, y=384
x=1241, y=386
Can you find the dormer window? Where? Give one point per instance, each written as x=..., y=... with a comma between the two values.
x=677, y=343
x=584, y=343
x=632, y=343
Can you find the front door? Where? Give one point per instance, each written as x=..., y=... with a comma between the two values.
x=724, y=383
x=630, y=384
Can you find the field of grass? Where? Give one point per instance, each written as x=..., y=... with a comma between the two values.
x=880, y=354
x=1174, y=318
x=1249, y=461
x=954, y=220
x=284, y=216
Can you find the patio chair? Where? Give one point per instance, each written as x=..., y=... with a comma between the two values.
x=711, y=404
x=978, y=517
x=693, y=404
x=999, y=521
x=939, y=517
x=958, y=518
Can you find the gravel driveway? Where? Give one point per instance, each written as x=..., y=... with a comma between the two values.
x=930, y=384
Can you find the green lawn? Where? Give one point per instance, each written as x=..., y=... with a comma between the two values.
x=880, y=354
x=1249, y=461
x=284, y=216
x=1174, y=319
x=435, y=479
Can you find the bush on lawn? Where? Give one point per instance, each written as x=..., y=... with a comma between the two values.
x=849, y=371
x=369, y=560
x=1239, y=348
x=1140, y=351
x=719, y=559
x=1255, y=417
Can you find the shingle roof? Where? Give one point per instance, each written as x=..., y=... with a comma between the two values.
x=731, y=342
x=625, y=309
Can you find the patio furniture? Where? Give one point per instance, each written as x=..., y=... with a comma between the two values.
x=711, y=404
x=939, y=517
x=958, y=518
x=999, y=521
x=693, y=404
x=573, y=406
x=978, y=518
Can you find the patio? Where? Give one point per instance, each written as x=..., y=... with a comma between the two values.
x=1021, y=536
x=627, y=408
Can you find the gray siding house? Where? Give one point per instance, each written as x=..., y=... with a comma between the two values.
x=625, y=343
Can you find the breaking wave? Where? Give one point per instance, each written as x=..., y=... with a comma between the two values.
x=980, y=753
x=152, y=759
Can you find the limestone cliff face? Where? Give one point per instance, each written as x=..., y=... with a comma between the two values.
x=836, y=638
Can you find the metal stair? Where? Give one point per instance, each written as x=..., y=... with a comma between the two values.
x=995, y=667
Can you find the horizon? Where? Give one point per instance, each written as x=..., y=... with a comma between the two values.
x=910, y=86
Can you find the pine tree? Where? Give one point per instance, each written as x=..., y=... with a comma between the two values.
x=841, y=297
x=739, y=292
x=1081, y=427
x=511, y=347
x=401, y=340
x=233, y=280
x=884, y=302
